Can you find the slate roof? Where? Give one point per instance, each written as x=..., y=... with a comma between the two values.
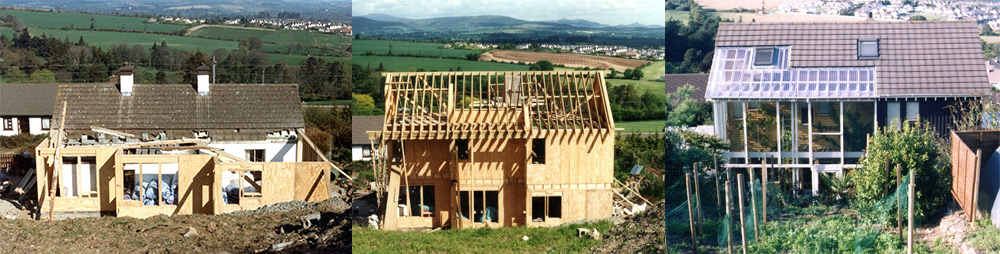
x=229, y=112
x=362, y=124
x=916, y=58
x=27, y=99
x=698, y=80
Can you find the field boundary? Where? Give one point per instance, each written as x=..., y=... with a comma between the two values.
x=190, y=30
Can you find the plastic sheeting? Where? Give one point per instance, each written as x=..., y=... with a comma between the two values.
x=733, y=76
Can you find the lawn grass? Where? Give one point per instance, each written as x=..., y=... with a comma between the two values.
x=651, y=126
x=280, y=37
x=395, y=63
x=985, y=237
x=82, y=21
x=381, y=47
x=562, y=239
x=654, y=71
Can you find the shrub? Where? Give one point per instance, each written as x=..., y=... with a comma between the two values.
x=916, y=148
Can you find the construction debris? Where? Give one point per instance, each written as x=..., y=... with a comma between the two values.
x=191, y=232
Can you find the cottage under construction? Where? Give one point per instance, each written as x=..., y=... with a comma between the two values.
x=493, y=149
x=141, y=150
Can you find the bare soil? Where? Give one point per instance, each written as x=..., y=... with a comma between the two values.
x=643, y=233
x=569, y=60
x=243, y=232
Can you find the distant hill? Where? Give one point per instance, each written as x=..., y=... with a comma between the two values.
x=328, y=10
x=503, y=29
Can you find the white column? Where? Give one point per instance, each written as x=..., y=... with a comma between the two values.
x=815, y=181
x=842, y=134
x=812, y=158
x=777, y=107
x=746, y=137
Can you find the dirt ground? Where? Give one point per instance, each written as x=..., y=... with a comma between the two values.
x=952, y=229
x=273, y=228
x=640, y=234
x=569, y=60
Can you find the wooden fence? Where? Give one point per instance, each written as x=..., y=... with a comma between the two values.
x=6, y=160
x=970, y=150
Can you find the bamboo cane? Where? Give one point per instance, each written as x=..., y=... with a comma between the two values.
x=753, y=205
x=743, y=232
x=899, y=209
x=729, y=232
x=694, y=235
x=697, y=197
x=909, y=237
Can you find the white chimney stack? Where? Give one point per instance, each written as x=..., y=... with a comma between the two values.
x=203, y=85
x=125, y=80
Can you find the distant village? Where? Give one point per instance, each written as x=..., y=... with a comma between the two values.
x=984, y=13
x=289, y=24
x=601, y=50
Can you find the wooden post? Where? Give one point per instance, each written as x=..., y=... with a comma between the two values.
x=56, y=163
x=718, y=193
x=697, y=196
x=729, y=233
x=743, y=232
x=975, y=184
x=753, y=205
x=694, y=235
x=763, y=189
x=899, y=209
x=909, y=237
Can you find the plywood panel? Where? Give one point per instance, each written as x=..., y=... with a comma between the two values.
x=106, y=171
x=312, y=180
x=276, y=185
x=195, y=178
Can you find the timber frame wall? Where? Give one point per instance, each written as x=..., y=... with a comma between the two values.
x=199, y=183
x=458, y=140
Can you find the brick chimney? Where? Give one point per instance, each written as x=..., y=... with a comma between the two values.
x=203, y=85
x=125, y=81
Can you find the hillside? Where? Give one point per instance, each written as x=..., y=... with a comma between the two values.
x=502, y=29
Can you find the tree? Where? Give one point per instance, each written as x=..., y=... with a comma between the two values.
x=627, y=74
x=364, y=105
x=161, y=77
x=637, y=74
x=15, y=75
x=612, y=73
x=252, y=44
x=922, y=18
x=42, y=76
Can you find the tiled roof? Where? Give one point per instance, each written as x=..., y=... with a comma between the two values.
x=27, y=99
x=698, y=80
x=229, y=112
x=362, y=124
x=916, y=58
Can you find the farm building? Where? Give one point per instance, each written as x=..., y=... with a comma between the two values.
x=141, y=150
x=494, y=149
x=806, y=96
x=26, y=108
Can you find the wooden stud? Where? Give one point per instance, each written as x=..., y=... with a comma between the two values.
x=899, y=209
x=57, y=163
x=694, y=234
x=975, y=183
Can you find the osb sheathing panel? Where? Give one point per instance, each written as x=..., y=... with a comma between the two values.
x=493, y=162
x=312, y=181
x=426, y=159
x=574, y=158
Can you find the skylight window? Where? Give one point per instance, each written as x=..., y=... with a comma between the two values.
x=764, y=57
x=867, y=49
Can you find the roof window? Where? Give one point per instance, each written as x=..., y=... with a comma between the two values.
x=867, y=49
x=764, y=57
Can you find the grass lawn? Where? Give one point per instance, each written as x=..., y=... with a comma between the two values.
x=405, y=47
x=82, y=21
x=650, y=126
x=560, y=239
x=395, y=63
x=681, y=16
x=654, y=71
x=280, y=37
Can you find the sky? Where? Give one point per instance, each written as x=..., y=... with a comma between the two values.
x=609, y=12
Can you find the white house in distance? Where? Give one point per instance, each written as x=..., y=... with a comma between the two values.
x=361, y=147
x=256, y=122
x=26, y=108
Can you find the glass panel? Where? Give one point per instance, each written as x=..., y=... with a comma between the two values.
x=734, y=126
x=786, y=127
x=803, y=126
x=826, y=143
x=762, y=129
x=168, y=186
x=826, y=117
x=859, y=120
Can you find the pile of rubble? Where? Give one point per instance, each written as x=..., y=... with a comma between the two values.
x=643, y=233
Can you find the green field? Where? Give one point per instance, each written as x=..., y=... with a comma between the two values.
x=107, y=40
x=405, y=47
x=280, y=37
x=395, y=63
x=642, y=126
x=654, y=71
x=562, y=239
x=681, y=16
x=82, y=21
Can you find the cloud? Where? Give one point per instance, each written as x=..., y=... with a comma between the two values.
x=648, y=12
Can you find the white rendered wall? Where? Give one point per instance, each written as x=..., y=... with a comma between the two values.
x=273, y=152
x=35, y=126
